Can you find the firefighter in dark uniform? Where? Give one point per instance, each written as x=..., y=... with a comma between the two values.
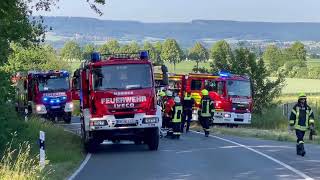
x=301, y=119
x=177, y=118
x=187, y=103
x=205, y=111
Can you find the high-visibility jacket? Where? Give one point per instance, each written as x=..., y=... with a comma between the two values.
x=206, y=107
x=177, y=113
x=301, y=117
x=188, y=102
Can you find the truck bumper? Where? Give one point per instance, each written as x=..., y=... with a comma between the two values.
x=231, y=118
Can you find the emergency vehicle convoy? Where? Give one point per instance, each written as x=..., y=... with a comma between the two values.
x=45, y=93
x=232, y=95
x=118, y=100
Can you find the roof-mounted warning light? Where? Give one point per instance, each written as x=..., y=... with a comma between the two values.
x=144, y=55
x=95, y=57
x=224, y=73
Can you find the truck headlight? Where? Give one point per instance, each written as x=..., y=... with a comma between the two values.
x=150, y=120
x=68, y=107
x=40, y=108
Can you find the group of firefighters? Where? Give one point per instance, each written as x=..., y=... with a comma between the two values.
x=177, y=113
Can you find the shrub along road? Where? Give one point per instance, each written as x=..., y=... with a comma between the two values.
x=197, y=157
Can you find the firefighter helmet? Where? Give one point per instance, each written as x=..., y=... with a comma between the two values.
x=161, y=94
x=177, y=99
x=302, y=95
x=204, y=92
x=169, y=93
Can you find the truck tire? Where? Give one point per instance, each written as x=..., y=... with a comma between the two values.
x=153, y=139
x=89, y=144
x=67, y=118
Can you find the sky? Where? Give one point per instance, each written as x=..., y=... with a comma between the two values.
x=188, y=10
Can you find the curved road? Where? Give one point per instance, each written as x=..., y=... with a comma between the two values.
x=197, y=157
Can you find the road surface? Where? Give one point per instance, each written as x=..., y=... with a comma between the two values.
x=196, y=157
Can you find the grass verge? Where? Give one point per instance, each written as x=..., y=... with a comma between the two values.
x=270, y=125
x=63, y=149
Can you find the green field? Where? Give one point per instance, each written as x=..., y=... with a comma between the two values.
x=186, y=66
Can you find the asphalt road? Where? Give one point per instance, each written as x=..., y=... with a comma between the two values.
x=196, y=157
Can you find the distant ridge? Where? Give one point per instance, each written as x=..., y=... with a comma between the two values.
x=91, y=29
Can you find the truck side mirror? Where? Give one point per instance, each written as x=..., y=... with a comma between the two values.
x=165, y=78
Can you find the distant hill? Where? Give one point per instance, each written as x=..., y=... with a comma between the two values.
x=207, y=31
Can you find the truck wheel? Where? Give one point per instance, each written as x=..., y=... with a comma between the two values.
x=89, y=144
x=67, y=118
x=153, y=139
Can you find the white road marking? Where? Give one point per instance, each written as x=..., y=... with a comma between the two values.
x=83, y=164
x=296, y=171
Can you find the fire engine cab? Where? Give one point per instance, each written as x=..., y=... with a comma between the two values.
x=45, y=93
x=118, y=100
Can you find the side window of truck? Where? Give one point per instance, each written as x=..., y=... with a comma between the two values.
x=196, y=84
x=220, y=87
x=211, y=85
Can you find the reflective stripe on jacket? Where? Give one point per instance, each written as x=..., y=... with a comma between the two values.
x=301, y=117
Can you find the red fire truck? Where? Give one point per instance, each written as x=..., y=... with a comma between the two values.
x=118, y=100
x=231, y=93
x=45, y=93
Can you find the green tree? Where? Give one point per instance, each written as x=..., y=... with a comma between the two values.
x=111, y=46
x=71, y=51
x=158, y=48
x=33, y=58
x=297, y=53
x=222, y=56
x=171, y=52
x=154, y=54
x=87, y=50
x=199, y=54
x=264, y=90
x=273, y=58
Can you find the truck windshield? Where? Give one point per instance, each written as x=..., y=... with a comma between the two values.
x=127, y=76
x=239, y=88
x=53, y=84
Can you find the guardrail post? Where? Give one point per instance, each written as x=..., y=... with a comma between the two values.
x=42, y=149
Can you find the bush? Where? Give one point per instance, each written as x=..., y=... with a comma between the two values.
x=270, y=119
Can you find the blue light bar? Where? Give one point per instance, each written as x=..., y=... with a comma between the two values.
x=144, y=55
x=64, y=97
x=224, y=74
x=45, y=99
x=95, y=57
x=51, y=101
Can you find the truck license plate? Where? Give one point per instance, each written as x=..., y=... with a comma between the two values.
x=55, y=107
x=126, y=121
x=240, y=116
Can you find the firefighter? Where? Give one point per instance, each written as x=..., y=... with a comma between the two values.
x=176, y=117
x=168, y=112
x=301, y=119
x=188, y=103
x=205, y=111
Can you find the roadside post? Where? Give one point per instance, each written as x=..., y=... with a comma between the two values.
x=42, y=149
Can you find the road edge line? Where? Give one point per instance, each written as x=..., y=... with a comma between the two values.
x=83, y=164
x=296, y=171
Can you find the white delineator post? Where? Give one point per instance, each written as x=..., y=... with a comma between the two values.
x=42, y=149
x=26, y=114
